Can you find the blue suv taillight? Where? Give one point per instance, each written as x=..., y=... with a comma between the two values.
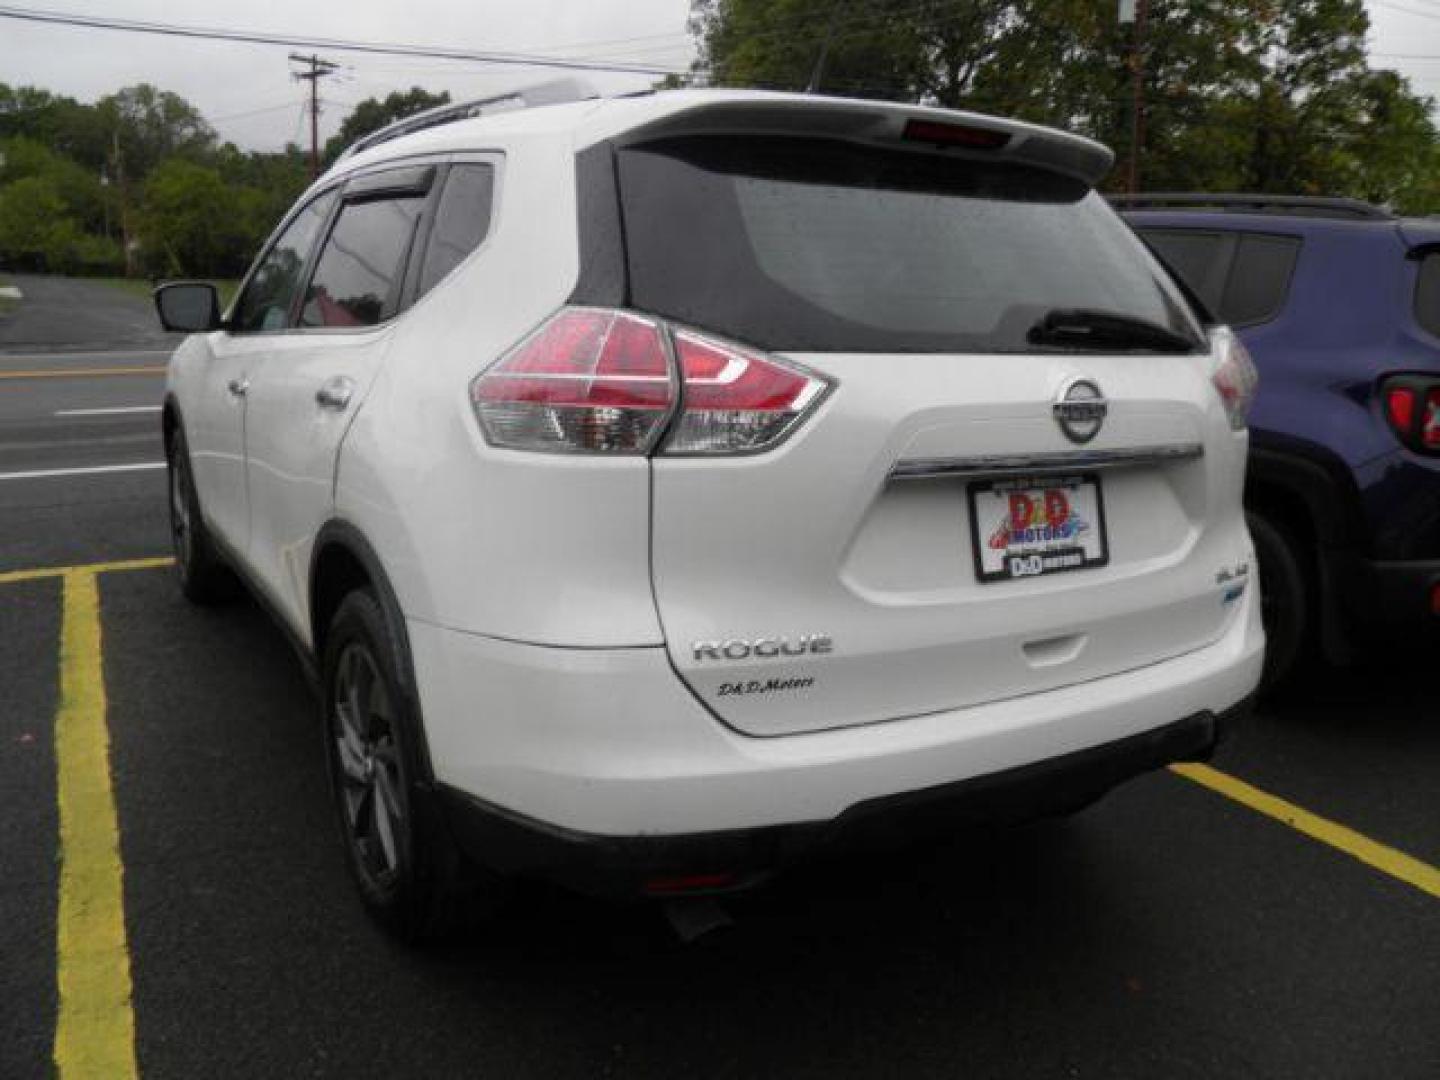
x=1412, y=409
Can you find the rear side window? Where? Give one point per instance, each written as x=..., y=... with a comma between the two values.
x=1259, y=278
x=1427, y=294
x=361, y=269
x=1242, y=277
x=461, y=222
x=270, y=293
x=1202, y=259
x=821, y=245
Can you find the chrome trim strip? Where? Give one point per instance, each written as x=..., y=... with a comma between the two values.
x=1064, y=461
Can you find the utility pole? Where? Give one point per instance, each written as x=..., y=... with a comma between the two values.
x=318, y=69
x=1141, y=11
x=117, y=166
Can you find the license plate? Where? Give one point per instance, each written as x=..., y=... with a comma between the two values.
x=1033, y=526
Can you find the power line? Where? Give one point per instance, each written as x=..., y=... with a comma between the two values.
x=250, y=112
x=135, y=26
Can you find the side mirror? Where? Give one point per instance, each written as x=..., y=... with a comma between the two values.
x=189, y=306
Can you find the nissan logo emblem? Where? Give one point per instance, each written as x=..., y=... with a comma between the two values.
x=1080, y=410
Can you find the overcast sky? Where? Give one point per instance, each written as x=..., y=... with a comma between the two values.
x=247, y=93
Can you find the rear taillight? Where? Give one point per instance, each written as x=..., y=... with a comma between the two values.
x=1234, y=375
x=1412, y=408
x=588, y=380
x=595, y=380
x=737, y=401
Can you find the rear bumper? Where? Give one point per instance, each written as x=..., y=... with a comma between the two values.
x=1393, y=597
x=631, y=866
x=610, y=743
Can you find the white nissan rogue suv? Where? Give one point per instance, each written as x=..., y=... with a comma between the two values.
x=664, y=488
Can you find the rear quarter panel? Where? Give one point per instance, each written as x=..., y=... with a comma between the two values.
x=539, y=548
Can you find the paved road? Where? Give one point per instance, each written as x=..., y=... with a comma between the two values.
x=1167, y=932
x=55, y=422
x=59, y=312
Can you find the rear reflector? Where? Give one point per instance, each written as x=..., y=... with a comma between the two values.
x=595, y=380
x=684, y=883
x=942, y=134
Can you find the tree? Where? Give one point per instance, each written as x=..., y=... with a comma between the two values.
x=897, y=49
x=34, y=230
x=80, y=192
x=190, y=223
x=372, y=114
x=152, y=125
x=1265, y=95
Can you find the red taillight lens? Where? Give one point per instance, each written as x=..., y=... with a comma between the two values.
x=593, y=380
x=1234, y=376
x=1412, y=409
x=588, y=380
x=736, y=400
x=1400, y=408
x=943, y=134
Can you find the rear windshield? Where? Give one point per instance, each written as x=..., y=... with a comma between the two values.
x=815, y=245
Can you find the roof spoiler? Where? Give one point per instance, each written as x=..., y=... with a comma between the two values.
x=971, y=135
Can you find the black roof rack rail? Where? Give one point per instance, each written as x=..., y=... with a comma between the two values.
x=556, y=92
x=1303, y=205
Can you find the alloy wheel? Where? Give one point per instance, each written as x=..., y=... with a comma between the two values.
x=181, y=534
x=370, y=782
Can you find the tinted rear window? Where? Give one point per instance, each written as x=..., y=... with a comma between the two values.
x=461, y=222
x=1201, y=258
x=1427, y=294
x=825, y=246
x=1242, y=277
x=1259, y=279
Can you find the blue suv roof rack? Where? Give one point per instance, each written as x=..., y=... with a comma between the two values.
x=1304, y=205
x=555, y=92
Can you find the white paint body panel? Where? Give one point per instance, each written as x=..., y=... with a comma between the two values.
x=608, y=741
x=816, y=539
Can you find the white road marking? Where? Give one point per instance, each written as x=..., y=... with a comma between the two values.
x=93, y=470
x=116, y=411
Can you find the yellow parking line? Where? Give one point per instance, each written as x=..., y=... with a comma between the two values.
x=10, y=577
x=82, y=373
x=95, y=1028
x=1387, y=860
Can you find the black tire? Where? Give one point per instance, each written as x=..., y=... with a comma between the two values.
x=204, y=577
x=1285, y=600
x=412, y=879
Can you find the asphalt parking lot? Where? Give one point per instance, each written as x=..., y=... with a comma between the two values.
x=1187, y=926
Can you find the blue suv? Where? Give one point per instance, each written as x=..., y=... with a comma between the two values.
x=1339, y=304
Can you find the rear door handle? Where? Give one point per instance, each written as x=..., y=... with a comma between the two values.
x=335, y=393
x=239, y=387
